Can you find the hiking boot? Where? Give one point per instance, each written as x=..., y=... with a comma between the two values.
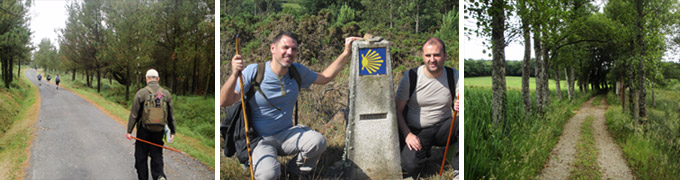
x=161, y=178
x=296, y=172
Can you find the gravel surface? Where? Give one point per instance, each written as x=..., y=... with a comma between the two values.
x=610, y=159
x=76, y=140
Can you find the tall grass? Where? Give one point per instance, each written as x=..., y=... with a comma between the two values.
x=650, y=146
x=18, y=112
x=516, y=148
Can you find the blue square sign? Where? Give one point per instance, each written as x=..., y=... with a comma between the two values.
x=372, y=61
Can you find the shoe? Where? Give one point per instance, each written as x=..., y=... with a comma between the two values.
x=161, y=178
x=296, y=172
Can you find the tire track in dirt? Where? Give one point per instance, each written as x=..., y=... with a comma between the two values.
x=610, y=159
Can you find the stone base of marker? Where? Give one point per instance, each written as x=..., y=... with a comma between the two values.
x=371, y=139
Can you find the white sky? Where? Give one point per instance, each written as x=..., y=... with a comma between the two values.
x=47, y=17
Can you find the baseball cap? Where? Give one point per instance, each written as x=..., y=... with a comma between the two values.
x=151, y=73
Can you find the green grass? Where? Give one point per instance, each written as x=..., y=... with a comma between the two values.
x=596, y=101
x=512, y=82
x=651, y=146
x=194, y=115
x=518, y=147
x=17, y=115
x=586, y=166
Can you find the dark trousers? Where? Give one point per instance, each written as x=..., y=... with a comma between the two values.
x=414, y=161
x=144, y=150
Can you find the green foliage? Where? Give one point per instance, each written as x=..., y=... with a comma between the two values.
x=475, y=68
x=518, y=147
x=346, y=15
x=651, y=146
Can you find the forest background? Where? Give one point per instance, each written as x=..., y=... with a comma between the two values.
x=322, y=26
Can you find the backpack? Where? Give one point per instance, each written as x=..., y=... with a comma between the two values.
x=413, y=80
x=155, y=113
x=232, y=128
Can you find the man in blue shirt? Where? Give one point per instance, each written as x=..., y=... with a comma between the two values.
x=272, y=118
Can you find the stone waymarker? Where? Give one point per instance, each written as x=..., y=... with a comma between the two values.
x=371, y=139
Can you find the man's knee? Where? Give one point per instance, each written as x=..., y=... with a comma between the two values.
x=268, y=171
x=315, y=142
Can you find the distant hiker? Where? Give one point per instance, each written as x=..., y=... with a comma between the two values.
x=151, y=112
x=424, y=104
x=39, y=78
x=271, y=106
x=57, y=80
x=48, y=78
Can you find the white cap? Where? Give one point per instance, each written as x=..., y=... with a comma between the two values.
x=151, y=73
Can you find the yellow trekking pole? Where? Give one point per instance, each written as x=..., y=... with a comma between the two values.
x=453, y=121
x=243, y=107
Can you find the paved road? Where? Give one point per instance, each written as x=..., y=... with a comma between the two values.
x=75, y=140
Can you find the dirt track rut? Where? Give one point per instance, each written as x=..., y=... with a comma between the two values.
x=610, y=158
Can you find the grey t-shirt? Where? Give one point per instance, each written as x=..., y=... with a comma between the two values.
x=431, y=102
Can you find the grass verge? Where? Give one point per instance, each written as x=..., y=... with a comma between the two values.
x=650, y=146
x=586, y=166
x=194, y=117
x=518, y=147
x=18, y=113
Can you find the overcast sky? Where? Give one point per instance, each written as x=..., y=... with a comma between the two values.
x=47, y=17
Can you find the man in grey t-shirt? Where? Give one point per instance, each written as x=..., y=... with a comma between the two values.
x=428, y=116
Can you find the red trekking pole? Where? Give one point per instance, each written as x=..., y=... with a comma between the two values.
x=453, y=121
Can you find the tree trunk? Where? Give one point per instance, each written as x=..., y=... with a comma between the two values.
x=498, y=63
x=417, y=14
x=558, y=91
x=73, y=75
x=571, y=86
x=623, y=95
x=636, y=107
x=546, y=78
x=526, y=68
x=538, y=68
x=653, y=97
x=99, y=80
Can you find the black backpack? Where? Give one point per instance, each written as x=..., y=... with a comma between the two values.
x=413, y=80
x=232, y=128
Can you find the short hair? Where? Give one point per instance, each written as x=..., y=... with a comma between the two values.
x=285, y=33
x=433, y=41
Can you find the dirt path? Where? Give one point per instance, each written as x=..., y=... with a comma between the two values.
x=610, y=159
x=75, y=140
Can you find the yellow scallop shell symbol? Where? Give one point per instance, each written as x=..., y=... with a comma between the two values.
x=371, y=61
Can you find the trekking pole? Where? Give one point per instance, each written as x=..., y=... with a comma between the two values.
x=243, y=107
x=164, y=147
x=453, y=121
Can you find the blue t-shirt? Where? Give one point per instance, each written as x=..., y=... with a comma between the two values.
x=266, y=119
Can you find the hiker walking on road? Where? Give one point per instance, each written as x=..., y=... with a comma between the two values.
x=39, y=78
x=48, y=78
x=57, y=80
x=271, y=114
x=427, y=100
x=151, y=112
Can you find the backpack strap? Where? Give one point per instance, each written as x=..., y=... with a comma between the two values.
x=258, y=81
x=452, y=84
x=412, y=81
x=295, y=75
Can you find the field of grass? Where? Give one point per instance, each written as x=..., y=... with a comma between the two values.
x=586, y=166
x=518, y=147
x=513, y=82
x=194, y=115
x=651, y=146
x=18, y=112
